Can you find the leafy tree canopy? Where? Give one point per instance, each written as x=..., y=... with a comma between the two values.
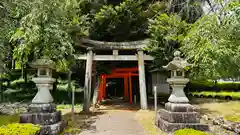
x=212, y=43
x=166, y=32
x=45, y=31
x=119, y=23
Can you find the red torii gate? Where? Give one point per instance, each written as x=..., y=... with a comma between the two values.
x=125, y=73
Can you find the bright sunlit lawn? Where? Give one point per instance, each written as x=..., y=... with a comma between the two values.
x=229, y=110
x=147, y=120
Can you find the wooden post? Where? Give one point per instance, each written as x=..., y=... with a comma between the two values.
x=104, y=87
x=130, y=88
x=100, y=89
x=88, y=79
x=69, y=83
x=73, y=96
x=135, y=99
x=155, y=99
x=125, y=87
x=142, y=82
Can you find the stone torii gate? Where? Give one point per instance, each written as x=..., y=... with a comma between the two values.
x=114, y=47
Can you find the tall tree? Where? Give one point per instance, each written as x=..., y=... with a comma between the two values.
x=45, y=30
x=212, y=44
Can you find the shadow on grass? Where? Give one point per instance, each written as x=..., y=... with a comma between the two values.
x=203, y=111
x=80, y=122
x=197, y=101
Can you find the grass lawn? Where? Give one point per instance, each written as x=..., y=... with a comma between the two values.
x=147, y=120
x=8, y=119
x=228, y=110
x=214, y=108
x=220, y=108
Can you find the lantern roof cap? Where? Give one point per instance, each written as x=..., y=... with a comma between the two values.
x=177, y=63
x=43, y=63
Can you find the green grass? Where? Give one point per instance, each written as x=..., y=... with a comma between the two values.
x=187, y=131
x=4, y=120
x=67, y=106
x=233, y=118
x=146, y=118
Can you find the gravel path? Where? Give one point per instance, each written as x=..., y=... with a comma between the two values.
x=115, y=123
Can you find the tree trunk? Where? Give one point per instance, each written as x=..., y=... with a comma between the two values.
x=69, y=83
x=1, y=89
x=25, y=75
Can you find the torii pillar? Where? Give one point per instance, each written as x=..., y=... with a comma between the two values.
x=88, y=80
x=142, y=81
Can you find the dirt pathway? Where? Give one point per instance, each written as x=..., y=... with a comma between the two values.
x=115, y=123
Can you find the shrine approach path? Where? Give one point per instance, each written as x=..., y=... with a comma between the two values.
x=121, y=122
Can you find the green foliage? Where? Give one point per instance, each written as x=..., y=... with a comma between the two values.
x=61, y=97
x=221, y=94
x=63, y=86
x=8, y=119
x=189, y=132
x=119, y=23
x=209, y=85
x=228, y=85
x=188, y=10
x=19, y=129
x=46, y=30
x=166, y=32
x=212, y=44
x=11, y=11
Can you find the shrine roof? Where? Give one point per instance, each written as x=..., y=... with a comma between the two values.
x=102, y=45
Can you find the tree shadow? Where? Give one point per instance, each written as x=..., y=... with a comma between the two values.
x=197, y=101
x=80, y=122
x=204, y=111
x=118, y=105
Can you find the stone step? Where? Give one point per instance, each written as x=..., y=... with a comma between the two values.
x=42, y=108
x=179, y=107
x=54, y=129
x=41, y=118
x=171, y=127
x=179, y=117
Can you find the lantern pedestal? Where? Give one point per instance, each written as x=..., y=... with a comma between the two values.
x=42, y=111
x=177, y=116
x=178, y=113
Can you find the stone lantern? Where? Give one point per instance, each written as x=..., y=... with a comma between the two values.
x=44, y=80
x=177, y=80
x=178, y=113
x=42, y=111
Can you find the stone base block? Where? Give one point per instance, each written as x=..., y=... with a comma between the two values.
x=179, y=117
x=171, y=127
x=54, y=129
x=179, y=107
x=41, y=118
x=42, y=108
